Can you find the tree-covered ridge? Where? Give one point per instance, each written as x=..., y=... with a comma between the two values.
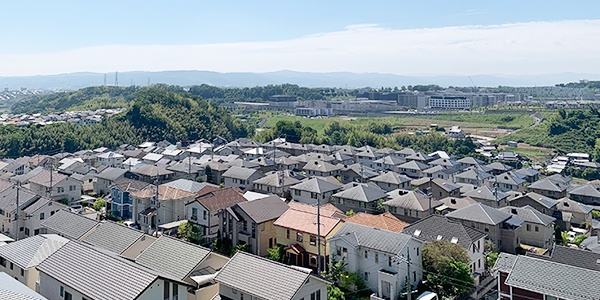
x=567, y=131
x=90, y=98
x=156, y=114
x=581, y=84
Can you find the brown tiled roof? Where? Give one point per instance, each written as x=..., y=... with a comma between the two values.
x=306, y=222
x=221, y=198
x=328, y=209
x=385, y=221
x=43, y=178
x=207, y=189
x=165, y=193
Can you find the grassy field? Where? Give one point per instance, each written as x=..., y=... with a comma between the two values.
x=533, y=153
x=471, y=123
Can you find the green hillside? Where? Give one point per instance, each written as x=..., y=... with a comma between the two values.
x=155, y=114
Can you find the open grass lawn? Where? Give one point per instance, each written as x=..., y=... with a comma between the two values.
x=467, y=121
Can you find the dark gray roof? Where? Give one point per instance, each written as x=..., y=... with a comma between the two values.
x=112, y=236
x=130, y=185
x=361, y=170
x=413, y=200
x=529, y=214
x=264, y=209
x=445, y=185
x=391, y=177
x=568, y=205
x=111, y=173
x=90, y=272
x=30, y=252
x=316, y=185
x=362, y=193
x=549, y=185
x=470, y=161
x=542, y=200
x=435, y=228
x=372, y=238
x=8, y=198
x=262, y=277
x=480, y=213
x=585, y=190
x=414, y=165
x=499, y=166
x=527, y=172
x=486, y=193
x=68, y=224
x=507, y=178
x=573, y=257
x=275, y=179
x=554, y=279
x=41, y=202
x=173, y=257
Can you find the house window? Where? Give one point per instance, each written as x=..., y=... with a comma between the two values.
x=389, y=261
x=318, y=294
x=313, y=195
x=52, y=213
x=175, y=291
x=166, y=291
x=42, y=216
x=313, y=240
x=313, y=261
x=68, y=296
x=417, y=251
x=22, y=272
x=60, y=189
x=299, y=237
x=194, y=213
x=537, y=229
x=253, y=230
x=204, y=214
x=366, y=276
x=3, y=261
x=366, y=254
x=414, y=276
x=245, y=226
x=27, y=231
x=376, y=257
x=62, y=291
x=297, y=192
x=234, y=291
x=11, y=265
x=528, y=227
x=287, y=234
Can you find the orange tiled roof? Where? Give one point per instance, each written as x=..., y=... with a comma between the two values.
x=385, y=221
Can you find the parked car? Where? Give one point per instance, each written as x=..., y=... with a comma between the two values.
x=130, y=224
x=76, y=208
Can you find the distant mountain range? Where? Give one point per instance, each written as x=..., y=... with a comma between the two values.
x=337, y=79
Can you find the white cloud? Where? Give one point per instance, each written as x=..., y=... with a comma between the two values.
x=513, y=49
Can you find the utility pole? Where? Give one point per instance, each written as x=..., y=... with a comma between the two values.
x=408, y=262
x=318, y=235
x=17, y=213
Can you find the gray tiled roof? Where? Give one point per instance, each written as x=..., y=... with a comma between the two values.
x=528, y=214
x=486, y=193
x=239, y=172
x=262, y=277
x=414, y=165
x=188, y=185
x=499, y=166
x=111, y=173
x=41, y=202
x=542, y=200
x=362, y=193
x=316, y=185
x=264, y=209
x=413, y=200
x=130, y=185
x=554, y=279
x=274, y=179
x=8, y=198
x=480, y=213
x=568, y=205
x=470, y=161
x=549, y=185
x=433, y=226
x=173, y=257
x=391, y=177
x=29, y=252
x=68, y=224
x=573, y=257
x=321, y=166
x=112, y=236
x=372, y=238
x=12, y=289
x=97, y=274
x=585, y=190
x=505, y=262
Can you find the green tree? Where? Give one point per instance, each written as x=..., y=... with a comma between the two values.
x=188, y=232
x=335, y=293
x=490, y=260
x=579, y=239
x=447, y=270
x=276, y=253
x=99, y=204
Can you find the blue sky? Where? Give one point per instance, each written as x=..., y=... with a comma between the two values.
x=45, y=37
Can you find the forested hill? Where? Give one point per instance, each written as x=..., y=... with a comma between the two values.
x=154, y=115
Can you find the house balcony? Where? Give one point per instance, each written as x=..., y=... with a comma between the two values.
x=244, y=237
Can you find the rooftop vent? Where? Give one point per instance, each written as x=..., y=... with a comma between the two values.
x=454, y=240
x=514, y=211
x=417, y=232
x=439, y=237
x=453, y=201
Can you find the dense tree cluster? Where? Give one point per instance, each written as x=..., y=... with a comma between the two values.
x=446, y=269
x=156, y=114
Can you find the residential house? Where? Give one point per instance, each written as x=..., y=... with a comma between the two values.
x=410, y=206
x=389, y=181
x=106, y=178
x=111, y=236
x=472, y=176
x=287, y=163
x=321, y=168
x=413, y=169
x=468, y=162
x=293, y=148
x=385, y=221
x=278, y=182
x=489, y=197
x=498, y=168
x=239, y=177
x=150, y=174
x=56, y=186
x=502, y=229
x=152, y=208
x=247, y=276
x=19, y=259
x=380, y=257
x=437, y=188
x=32, y=215
x=313, y=190
x=214, y=171
x=111, y=159
x=537, y=229
x=441, y=172
x=207, y=208
x=152, y=158
x=419, y=157
x=529, y=174
x=356, y=173
x=573, y=213
x=360, y=197
x=186, y=169
x=297, y=232
x=121, y=201
x=453, y=203
x=64, y=276
x=549, y=188
x=543, y=204
x=406, y=152
x=251, y=223
x=389, y=163
x=586, y=194
x=528, y=277
x=439, y=228
x=368, y=157
x=507, y=182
